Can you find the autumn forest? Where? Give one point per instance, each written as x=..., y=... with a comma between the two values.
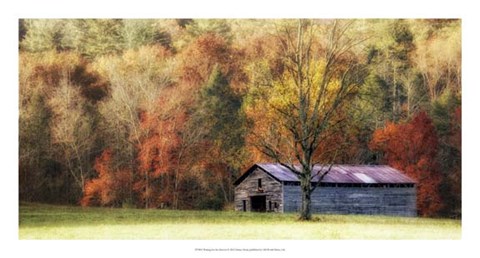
x=168, y=113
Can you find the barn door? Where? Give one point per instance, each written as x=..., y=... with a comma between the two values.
x=259, y=203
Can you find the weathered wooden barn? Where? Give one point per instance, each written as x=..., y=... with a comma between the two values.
x=346, y=189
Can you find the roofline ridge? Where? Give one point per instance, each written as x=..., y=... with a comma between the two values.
x=271, y=167
x=335, y=164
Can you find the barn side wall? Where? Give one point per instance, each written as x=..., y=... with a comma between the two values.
x=271, y=189
x=355, y=200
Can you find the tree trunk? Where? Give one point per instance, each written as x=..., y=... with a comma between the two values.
x=306, y=213
x=147, y=189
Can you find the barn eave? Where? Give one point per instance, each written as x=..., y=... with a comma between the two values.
x=250, y=170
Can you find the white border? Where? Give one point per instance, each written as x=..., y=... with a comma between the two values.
x=10, y=13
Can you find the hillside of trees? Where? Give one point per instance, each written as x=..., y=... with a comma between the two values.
x=168, y=113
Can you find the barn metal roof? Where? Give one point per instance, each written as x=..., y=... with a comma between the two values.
x=354, y=174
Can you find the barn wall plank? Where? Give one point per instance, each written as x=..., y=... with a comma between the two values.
x=355, y=200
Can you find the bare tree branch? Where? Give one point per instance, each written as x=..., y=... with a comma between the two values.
x=305, y=119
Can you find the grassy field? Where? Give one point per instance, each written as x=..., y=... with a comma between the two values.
x=39, y=221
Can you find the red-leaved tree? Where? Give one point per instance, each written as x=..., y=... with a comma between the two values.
x=111, y=187
x=155, y=158
x=412, y=147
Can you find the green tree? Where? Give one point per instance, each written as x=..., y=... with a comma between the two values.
x=391, y=72
x=204, y=26
x=41, y=34
x=220, y=113
x=446, y=117
x=143, y=32
x=100, y=37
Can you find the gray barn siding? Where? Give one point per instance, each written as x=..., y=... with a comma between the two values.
x=272, y=189
x=354, y=200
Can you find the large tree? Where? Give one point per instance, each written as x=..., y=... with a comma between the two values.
x=320, y=72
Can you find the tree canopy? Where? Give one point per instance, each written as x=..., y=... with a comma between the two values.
x=165, y=113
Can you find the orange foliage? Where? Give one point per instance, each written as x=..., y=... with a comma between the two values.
x=158, y=151
x=209, y=50
x=157, y=155
x=266, y=48
x=110, y=188
x=153, y=157
x=152, y=181
x=412, y=147
x=154, y=146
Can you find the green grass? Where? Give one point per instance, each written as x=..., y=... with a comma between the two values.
x=40, y=221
